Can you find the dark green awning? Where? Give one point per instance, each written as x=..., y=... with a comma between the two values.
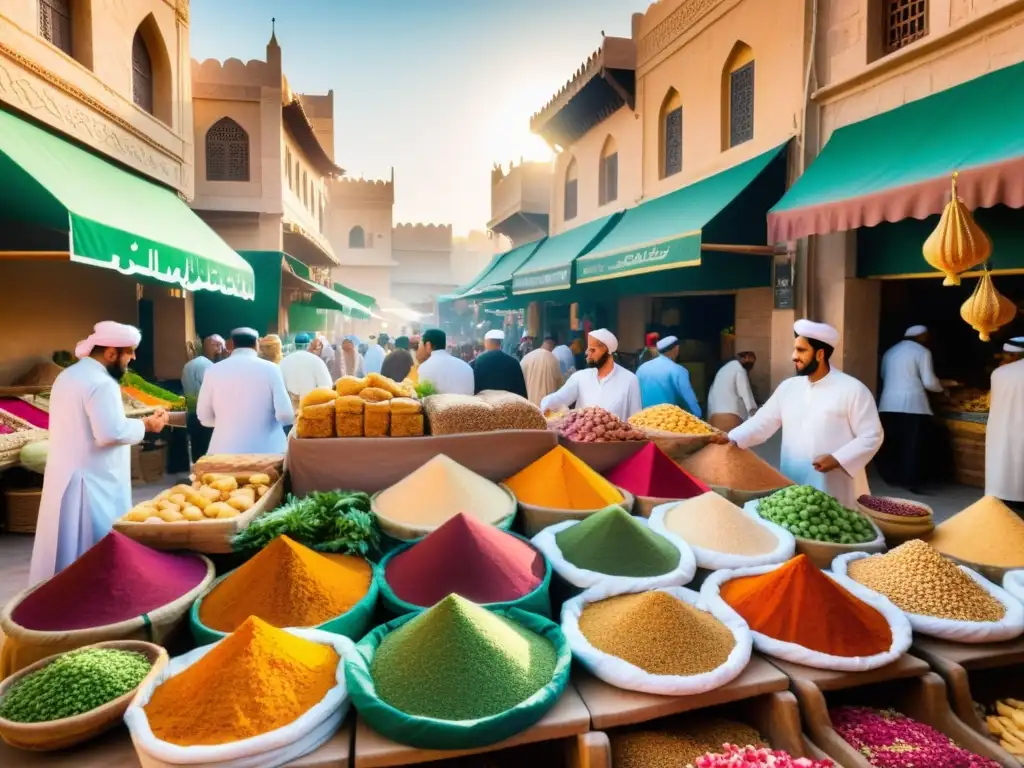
x=898, y=164
x=360, y=298
x=322, y=297
x=665, y=233
x=113, y=218
x=550, y=266
x=493, y=283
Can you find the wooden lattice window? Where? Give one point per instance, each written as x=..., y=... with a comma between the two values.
x=673, y=150
x=356, y=237
x=142, y=74
x=741, y=105
x=570, y=202
x=55, y=23
x=905, y=21
x=227, y=151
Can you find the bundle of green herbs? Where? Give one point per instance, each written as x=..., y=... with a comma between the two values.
x=333, y=521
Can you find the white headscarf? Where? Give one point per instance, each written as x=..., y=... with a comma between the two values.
x=108, y=334
x=607, y=338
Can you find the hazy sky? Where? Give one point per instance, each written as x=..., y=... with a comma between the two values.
x=439, y=89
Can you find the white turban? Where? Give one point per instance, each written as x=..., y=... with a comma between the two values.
x=109, y=334
x=607, y=338
x=914, y=331
x=826, y=334
x=667, y=343
x=250, y=332
x=1015, y=345
x=495, y=335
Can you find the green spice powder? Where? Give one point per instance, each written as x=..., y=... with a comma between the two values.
x=75, y=683
x=614, y=542
x=458, y=661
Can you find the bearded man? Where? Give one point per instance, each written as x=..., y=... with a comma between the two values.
x=604, y=383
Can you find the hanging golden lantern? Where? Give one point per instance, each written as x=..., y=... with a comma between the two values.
x=958, y=243
x=987, y=310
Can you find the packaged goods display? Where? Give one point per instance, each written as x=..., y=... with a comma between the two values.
x=407, y=418
x=510, y=411
x=1006, y=723
x=73, y=684
x=254, y=681
x=287, y=585
x=367, y=407
x=212, y=497
x=595, y=425
x=316, y=414
x=892, y=506
x=679, y=743
x=729, y=466
x=809, y=513
x=458, y=661
x=712, y=522
x=489, y=411
x=115, y=580
x=889, y=739
x=670, y=418
x=468, y=558
x=985, y=533
x=560, y=480
x=614, y=542
x=377, y=418
x=650, y=472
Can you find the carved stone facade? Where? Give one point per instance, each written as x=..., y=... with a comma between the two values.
x=669, y=29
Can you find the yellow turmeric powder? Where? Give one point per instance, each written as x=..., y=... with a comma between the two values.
x=256, y=680
x=287, y=585
x=561, y=480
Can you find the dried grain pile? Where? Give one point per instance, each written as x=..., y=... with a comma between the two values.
x=987, y=533
x=729, y=466
x=713, y=522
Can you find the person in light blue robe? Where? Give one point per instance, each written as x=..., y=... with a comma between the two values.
x=663, y=380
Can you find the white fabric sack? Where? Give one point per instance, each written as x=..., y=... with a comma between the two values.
x=876, y=545
x=268, y=750
x=1009, y=627
x=713, y=560
x=798, y=654
x=1013, y=582
x=579, y=577
x=622, y=674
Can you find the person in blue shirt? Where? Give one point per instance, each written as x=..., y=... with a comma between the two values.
x=663, y=380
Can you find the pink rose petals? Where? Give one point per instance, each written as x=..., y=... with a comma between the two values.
x=755, y=757
x=889, y=739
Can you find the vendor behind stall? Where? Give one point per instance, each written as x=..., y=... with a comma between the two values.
x=1004, y=441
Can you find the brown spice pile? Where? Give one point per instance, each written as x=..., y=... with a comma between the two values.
x=730, y=466
x=658, y=633
x=917, y=579
x=679, y=745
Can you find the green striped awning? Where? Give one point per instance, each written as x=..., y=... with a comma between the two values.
x=493, y=282
x=550, y=266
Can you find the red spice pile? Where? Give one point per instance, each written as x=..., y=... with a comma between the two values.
x=650, y=472
x=116, y=580
x=468, y=558
x=37, y=417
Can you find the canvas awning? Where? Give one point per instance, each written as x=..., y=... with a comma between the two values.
x=493, y=282
x=898, y=164
x=667, y=232
x=114, y=219
x=550, y=266
x=323, y=297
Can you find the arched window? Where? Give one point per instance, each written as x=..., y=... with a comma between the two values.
x=298, y=177
x=55, y=23
x=305, y=189
x=738, y=96
x=356, y=237
x=570, y=205
x=608, y=173
x=142, y=73
x=670, y=129
x=288, y=166
x=227, y=151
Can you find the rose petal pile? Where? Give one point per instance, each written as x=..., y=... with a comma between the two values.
x=754, y=757
x=596, y=425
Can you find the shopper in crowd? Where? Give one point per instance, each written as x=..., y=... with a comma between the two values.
x=650, y=350
x=399, y=361
x=350, y=361
x=322, y=346
x=542, y=371
x=525, y=345
x=87, y=484
x=449, y=374
x=604, y=383
x=829, y=421
x=496, y=369
x=565, y=357
x=1004, y=438
x=579, y=353
x=373, y=357
x=731, y=399
x=907, y=376
x=191, y=380
x=245, y=401
x=664, y=381
x=304, y=370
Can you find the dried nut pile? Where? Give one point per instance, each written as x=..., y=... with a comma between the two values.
x=892, y=506
x=678, y=745
x=489, y=411
x=917, y=579
x=670, y=418
x=596, y=425
x=512, y=411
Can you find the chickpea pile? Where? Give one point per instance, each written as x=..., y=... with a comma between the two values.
x=670, y=418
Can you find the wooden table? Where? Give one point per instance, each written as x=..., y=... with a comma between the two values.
x=115, y=750
x=569, y=718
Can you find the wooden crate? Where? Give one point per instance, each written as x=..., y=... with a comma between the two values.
x=968, y=444
x=211, y=537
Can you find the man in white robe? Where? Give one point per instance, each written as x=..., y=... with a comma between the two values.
x=245, y=400
x=373, y=359
x=604, y=383
x=304, y=370
x=449, y=374
x=1004, y=439
x=542, y=372
x=88, y=483
x=830, y=425
x=731, y=399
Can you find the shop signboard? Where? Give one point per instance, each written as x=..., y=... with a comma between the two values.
x=783, y=285
x=545, y=280
x=683, y=251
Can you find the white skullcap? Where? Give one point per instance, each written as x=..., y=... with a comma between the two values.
x=108, y=334
x=915, y=330
x=667, y=343
x=607, y=338
x=1015, y=345
x=495, y=335
x=251, y=332
x=826, y=334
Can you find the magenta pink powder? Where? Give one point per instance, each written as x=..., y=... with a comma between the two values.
x=117, y=579
x=650, y=472
x=37, y=417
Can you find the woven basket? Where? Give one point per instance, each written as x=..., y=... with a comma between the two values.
x=11, y=443
x=149, y=466
x=22, y=505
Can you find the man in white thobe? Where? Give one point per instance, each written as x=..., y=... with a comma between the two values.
x=830, y=425
x=304, y=370
x=373, y=359
x=542, y=372
x=87, y=484
x=604, y=383
x=449, y=374
x=908, y=375
x=1004, y=439
x=731, y=400
x=245, y=400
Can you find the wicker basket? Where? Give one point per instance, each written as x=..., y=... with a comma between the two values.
x=22, y=505
x=149, y=466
